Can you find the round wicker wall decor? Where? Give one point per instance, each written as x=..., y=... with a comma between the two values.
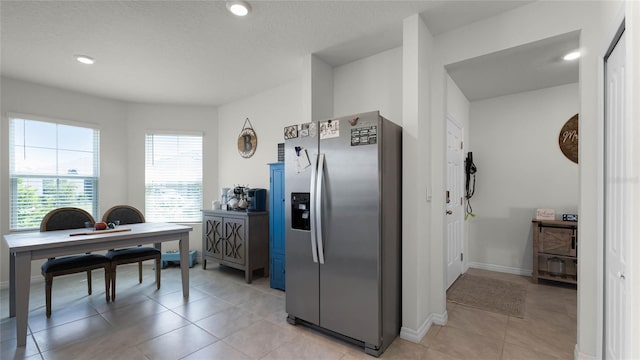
x=247, y=140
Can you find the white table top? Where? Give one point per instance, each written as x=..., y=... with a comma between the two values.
x=36, y=240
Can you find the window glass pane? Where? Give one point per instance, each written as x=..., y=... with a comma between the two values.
x=17, y=129
x=75, y=163
x=33, y=161
x=29, y=206
x=40, y=134
x=75, y=138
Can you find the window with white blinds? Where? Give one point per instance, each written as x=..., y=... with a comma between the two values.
x=173, y=177
x=51, y=165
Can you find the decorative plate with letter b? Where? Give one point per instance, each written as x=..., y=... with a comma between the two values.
x=247, y=140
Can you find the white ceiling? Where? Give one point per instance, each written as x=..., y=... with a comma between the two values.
x=527, y=67
x=195, y=52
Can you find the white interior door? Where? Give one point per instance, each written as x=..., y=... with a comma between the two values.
x=618, y=204
x=454, y=196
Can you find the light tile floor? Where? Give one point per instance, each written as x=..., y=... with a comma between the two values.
x=224, y=318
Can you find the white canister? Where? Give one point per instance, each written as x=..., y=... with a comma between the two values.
x=215, y=205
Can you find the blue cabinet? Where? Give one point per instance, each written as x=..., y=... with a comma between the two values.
x=276, y=226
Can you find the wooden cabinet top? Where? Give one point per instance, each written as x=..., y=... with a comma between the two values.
x=558, y=223
x=242, y=213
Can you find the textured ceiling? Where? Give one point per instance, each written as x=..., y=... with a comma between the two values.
x=195, y=52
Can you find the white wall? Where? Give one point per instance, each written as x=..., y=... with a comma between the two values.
x=458, y=106
x=47, y=102
x=520, y=168
x=269, y=112
x=423, y=169
x=199, y=119
x=317, y=89
x=372, y=83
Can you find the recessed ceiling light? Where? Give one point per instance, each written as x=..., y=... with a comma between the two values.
x=572, y=55
x=87, y=60
x=238, y=8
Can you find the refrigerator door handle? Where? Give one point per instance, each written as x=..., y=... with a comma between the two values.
x=318, y=208
x=312, y=223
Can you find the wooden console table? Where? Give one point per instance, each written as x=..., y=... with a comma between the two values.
x=555, y=250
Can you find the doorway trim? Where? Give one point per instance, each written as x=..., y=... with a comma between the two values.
x=450, y=119
x=602, y=274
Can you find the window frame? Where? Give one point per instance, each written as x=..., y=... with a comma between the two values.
x=193, y=215
x=14, y=177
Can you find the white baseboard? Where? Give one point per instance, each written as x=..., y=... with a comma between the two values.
x=34, y=280
x=417, y=335
x=577, y=355
x=500, y=268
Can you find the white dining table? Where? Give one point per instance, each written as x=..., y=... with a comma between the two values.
x=27, y=246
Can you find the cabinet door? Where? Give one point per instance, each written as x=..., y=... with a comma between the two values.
x=235, y=235
x=213, y=239
x=276, y=227
x=559, y=241
x=277, y=272
x=277, y=211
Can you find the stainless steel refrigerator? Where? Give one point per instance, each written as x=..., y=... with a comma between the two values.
x=343, y=227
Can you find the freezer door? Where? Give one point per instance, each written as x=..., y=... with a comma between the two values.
x=301, y=272
x=350, y=276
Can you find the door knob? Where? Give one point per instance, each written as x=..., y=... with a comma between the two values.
x=449, y=212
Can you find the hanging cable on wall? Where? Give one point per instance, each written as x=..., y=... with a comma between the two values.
x=470, y=171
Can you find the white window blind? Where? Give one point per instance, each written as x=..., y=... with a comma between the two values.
x=173, y=177
x=51, y=165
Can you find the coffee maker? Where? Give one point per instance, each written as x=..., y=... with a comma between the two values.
x=257, y=199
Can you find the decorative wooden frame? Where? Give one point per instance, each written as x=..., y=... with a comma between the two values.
x=568, y=139
x=247, y=140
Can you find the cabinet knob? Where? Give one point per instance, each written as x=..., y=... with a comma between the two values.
x=621, y=275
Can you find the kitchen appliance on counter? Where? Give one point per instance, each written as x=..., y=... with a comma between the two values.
x=235, y=199
x=343, y=228
x=257, y=199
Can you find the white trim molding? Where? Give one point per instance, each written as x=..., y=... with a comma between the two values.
x=417, y=335
x=501, y=268
x=577, y=355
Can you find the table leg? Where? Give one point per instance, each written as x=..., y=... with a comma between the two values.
x=12, y=285
x=184, y=263
x=22, y=285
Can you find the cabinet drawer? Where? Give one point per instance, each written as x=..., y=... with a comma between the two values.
x=556, y=240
